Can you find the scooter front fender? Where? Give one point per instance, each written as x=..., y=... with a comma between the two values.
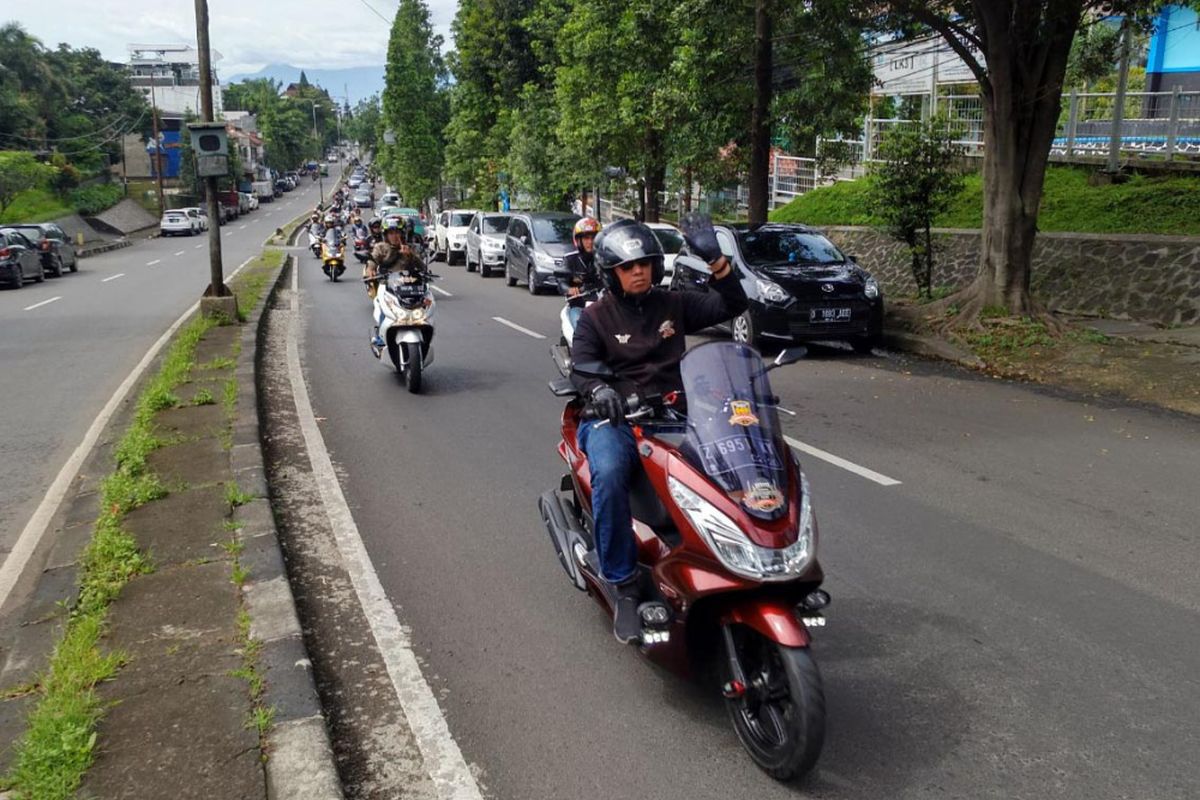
x=771, y=618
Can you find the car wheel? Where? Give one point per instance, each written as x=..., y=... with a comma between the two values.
x=75, y=263
x=531, y=281
x=58, y=266
x=509, y=280
x=19, y=282
x=484, y=270
x=743, y=329
x=41, y=273
x=470, y=266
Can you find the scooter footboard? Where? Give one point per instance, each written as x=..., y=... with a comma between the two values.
x=772, y=618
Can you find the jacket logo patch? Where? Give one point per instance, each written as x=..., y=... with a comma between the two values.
x=622, y=338
x=667, y=329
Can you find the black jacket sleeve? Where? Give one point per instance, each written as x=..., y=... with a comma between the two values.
x=587, y=347
x=725, y=301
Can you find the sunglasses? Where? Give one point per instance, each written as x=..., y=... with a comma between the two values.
x=629, y=265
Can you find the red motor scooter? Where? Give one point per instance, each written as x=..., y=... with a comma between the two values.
x=726, y=545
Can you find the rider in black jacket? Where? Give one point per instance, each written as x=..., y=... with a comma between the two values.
x=637, y=331
x=579, y=273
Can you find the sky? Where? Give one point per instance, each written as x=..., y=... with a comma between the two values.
x=248, y=33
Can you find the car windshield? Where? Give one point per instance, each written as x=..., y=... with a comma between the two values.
x=495, y=224
x=670, y=240
x=461, y=220
x=774, y=246
x=733, y=431
x=555, y=229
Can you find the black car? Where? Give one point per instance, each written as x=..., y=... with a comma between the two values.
x=800, y=287
x=534, y=248
x=57, y=251
x=20, y=260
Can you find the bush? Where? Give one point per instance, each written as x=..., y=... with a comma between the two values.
x=91, y=200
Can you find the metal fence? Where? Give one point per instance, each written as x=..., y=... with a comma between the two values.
x=1152, y=124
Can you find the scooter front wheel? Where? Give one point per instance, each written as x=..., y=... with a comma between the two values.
x=778, y=710
x=412, y=370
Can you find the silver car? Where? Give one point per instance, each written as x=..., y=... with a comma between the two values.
x=485, y=242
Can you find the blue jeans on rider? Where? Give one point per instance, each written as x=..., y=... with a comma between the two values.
x=573, y=315
x=612, y=457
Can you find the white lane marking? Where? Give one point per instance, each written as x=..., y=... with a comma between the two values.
x=228, y=233
x=241, y=227
x=441, y=291
x=35, y=529
x=43, y=303
x=113, y=277
x=517, y=327
x=152, y=263
x=180, y=253
x=442, y=758
x=199, y=246
x=838, y=461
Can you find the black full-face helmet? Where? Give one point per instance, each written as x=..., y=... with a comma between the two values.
x=623, y=242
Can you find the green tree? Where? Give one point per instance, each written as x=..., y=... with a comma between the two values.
x=1018, y=51
x=19, y=172
x=918, y=179
x=414, y=104
x=363, y=123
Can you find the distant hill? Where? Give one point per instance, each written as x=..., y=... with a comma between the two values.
x=359, y=82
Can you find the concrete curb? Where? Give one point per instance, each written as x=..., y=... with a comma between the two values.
x=301, y=762
x=930, y=347
x=104, y=248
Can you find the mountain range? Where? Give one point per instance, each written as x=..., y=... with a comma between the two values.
x=357, y=82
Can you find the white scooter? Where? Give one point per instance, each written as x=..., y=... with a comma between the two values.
x=404, y=309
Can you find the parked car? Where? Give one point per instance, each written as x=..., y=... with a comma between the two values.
x=354, y=181
x=389, y=199
x=176, y=222
x=671, y=239
x=800, y=287
x=198, y=213
x=243, y=201
x=535, y=246
x=485, y=242
x=362, y=199
x=450, y=234
x=228, y=212
x=19, y=259
x=281, y=186
x=55, y=247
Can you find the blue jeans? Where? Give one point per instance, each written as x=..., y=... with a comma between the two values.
x=612, y=458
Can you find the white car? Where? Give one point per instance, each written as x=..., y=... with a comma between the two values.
x=450, y=234
x=176, y=222
x=485, y=242
x=198, y=214
x=389, y=199
x=671, y=239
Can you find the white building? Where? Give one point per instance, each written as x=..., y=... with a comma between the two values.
x=169, y=76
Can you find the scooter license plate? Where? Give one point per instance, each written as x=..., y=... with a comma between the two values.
x=841, y=314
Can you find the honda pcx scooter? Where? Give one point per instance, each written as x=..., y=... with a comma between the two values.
x=727, y=542
x=569, y=316
x=333, y=257
x=403, y=310
x=314, y=242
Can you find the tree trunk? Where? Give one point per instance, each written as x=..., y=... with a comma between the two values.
x=687, y=190
x=760, y=123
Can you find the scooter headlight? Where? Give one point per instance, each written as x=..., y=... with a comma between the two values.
x=734, y=549
x=417, y=314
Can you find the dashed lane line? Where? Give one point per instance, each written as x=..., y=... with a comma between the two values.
x=517, y=327
x=181, y=252
x=113, y=277
x=441, y=291
x=199, y=246
x=43, y=303
x=838, y=461
x=152, y=263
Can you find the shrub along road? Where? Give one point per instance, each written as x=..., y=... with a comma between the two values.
x=1012, y=573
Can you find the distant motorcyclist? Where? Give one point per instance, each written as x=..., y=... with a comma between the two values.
x=394, y=253
x=579, y=265
x=375, y=231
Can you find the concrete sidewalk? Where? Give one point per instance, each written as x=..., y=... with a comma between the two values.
x=215, y=697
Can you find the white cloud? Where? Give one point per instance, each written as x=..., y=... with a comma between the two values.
x=247, y=33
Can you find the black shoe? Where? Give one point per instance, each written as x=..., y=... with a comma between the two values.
x=627, y=625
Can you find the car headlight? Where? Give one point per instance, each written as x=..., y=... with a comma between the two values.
x=732, y=547
x=493, y=244
x=543, y=260
x=769, y=290
x=871, y=288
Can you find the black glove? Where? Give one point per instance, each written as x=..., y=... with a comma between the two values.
x=607, y=404
x=701, y=238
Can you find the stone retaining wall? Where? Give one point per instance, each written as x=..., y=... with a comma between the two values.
x=1127, y=276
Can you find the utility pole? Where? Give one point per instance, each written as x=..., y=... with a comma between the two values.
x=320, y=155
x=157, y=149
x=216, y=287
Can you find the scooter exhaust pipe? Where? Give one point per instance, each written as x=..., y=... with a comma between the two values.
x=558, y=521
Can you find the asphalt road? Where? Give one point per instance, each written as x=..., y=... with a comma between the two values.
x=1015, y=618
x=66, y=344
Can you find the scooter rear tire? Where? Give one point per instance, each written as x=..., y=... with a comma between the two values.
x=785, y=733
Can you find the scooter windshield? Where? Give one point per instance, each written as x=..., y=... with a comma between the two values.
x=733, y=433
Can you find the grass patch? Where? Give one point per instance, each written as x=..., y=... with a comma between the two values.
x=203, y=397
x=261, y=717
x=60, y=737
x=1143, y=204
x=252, y=281
x=1003, y=338
x=235, y=496
x=229, y=395
x=220, y=362
x=35, y=205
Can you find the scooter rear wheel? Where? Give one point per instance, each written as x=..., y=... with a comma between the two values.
x=780, y=717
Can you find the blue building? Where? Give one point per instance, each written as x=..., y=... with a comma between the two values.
x=1174, y=55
